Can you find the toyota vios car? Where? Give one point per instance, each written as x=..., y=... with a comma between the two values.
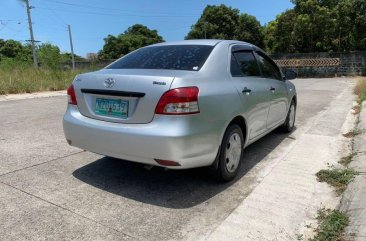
x=181, y=105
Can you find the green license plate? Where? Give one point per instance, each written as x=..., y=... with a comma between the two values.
x=110, y=107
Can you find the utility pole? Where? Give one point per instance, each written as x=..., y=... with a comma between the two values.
x=31, y=34
x=72, y=47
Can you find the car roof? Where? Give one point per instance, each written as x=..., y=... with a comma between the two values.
x=210, y=42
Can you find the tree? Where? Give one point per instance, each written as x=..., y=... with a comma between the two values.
x=223, y=22
x=316, y=23
x=216, y=22
x=10, y=48
x=249, y=30
x=49, y=55
x=279, y=34
x=134, y=37
x=352, y=24
x=358, y=17
x=319, y=26
x=149, y=36
x=14, y=50
x=111, y=48
x=66, y=57
x=312, y=26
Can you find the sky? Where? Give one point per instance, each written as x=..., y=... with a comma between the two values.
x=92, y=20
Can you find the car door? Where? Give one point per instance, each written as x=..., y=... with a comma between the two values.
x=277, y=90
x=252, y=89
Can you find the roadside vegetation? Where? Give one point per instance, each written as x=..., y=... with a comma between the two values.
x=26, y=79
x=331, y=225
x=18, y=75
x=338, y=178
x=360, y=90
x=345, y=161
x=354, y=132
x=357, y=109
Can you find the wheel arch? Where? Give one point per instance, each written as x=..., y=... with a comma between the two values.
x=242, y=123
x=294, y=98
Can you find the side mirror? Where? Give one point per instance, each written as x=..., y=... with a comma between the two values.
x=290, y=75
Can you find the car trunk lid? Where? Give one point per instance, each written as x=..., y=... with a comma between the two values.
x=122, y=95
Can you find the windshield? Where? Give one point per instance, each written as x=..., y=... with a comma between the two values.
x=176, y=57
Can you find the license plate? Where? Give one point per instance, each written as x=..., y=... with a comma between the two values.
x=110, y=107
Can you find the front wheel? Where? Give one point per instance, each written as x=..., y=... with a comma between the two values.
x=289, y=124
x=231, y=152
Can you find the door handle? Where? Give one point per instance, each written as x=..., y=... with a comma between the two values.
x=246, y=90
x=272, y=88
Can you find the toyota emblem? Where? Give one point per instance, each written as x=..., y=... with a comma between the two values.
x=109, y=83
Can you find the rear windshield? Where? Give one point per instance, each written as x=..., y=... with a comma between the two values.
x=176, y=57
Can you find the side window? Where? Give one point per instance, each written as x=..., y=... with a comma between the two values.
x=247, y=63
x=234, y=67
x=269, y=70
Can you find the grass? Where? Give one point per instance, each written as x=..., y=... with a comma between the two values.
x=331, y=225
x=354, y=133
x=345, y=161
x=360, y=90
x=338, y=178
x=26, y=79
x=356, y=109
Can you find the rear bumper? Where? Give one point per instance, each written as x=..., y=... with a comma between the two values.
x=187, y=140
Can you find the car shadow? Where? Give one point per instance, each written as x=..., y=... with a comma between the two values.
x=178, y=189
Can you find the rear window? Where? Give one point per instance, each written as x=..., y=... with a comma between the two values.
x=176, y=57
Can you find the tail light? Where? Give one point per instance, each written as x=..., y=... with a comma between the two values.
x=71, y=95
x=180, y=101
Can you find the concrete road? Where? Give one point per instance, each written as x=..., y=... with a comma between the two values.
x=51, y=191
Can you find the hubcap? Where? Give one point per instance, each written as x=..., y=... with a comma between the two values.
x=233, y=152
x=292, y=116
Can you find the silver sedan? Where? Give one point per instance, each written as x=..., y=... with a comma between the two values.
x=181, y=105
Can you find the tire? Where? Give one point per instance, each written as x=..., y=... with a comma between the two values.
x=289, y=124
x=230, y=155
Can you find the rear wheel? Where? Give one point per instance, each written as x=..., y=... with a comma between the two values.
x=231, y=152
x=289, y=124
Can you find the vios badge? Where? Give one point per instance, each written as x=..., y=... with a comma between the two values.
x=109, y=83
